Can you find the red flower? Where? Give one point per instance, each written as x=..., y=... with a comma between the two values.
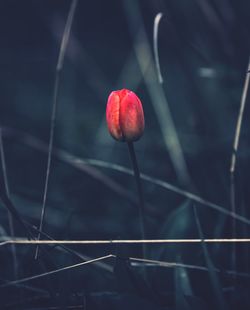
x=125, y=117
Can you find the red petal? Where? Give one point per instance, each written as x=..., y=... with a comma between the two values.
x=112, y=116
x=131, y=117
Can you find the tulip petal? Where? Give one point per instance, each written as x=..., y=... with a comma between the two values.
x=131, y=117
x=112, y=116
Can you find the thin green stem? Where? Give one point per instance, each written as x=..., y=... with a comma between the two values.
x=140, y=193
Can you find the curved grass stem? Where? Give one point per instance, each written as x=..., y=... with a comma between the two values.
x=158, y=17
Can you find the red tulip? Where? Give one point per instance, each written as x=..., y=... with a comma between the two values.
x=125, y=117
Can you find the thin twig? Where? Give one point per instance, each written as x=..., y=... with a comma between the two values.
x=146, y=261
x=55, y=271
x=155, y=42
x=123, y=241
x=150, y=262
x=59, y=68
x=10, y=218
x=234, y=157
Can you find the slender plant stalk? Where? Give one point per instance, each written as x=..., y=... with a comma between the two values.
x=140, y=193
x=234, y=158
x=157, y=20
x=146, y=262
x=141, y=203
x=8, y=241
x=59, y=68
x=150, y=262
x=56, y=271
x=10, y=218
x=83, y=164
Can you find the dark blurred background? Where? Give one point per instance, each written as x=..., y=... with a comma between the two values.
x=203, y=50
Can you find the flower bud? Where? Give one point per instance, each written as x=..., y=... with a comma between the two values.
x=124, y=115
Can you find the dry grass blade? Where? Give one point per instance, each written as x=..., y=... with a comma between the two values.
x=234, y=156
x=150, y=262
x=55, y=271
x=239, y=120
x=146, y=262
x=120, y=241
x=156, y=52
x=59, y=67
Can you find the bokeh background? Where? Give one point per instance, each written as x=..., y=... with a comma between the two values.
x=203, y=50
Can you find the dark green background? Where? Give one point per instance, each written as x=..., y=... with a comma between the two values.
x=203, y=49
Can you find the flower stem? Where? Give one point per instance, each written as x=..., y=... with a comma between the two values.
x=140, y=193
